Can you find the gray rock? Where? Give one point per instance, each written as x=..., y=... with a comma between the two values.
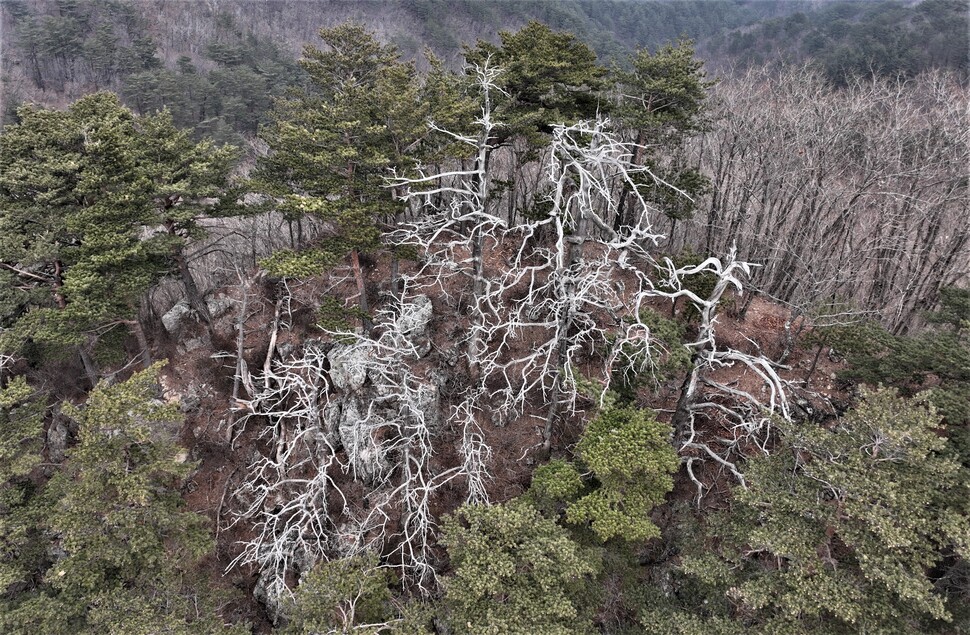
x=285, y=350
x=428, y=404
x=172, y=320
x=356, y=436
x=218, y=306
x=451, y=356
x=269, y=596
x=271, y=591
x=371, y=463
x=190, y=345
x=57, y=439
x=348, y=370
x=330, y=419
x=415, y=323
x=190, y=400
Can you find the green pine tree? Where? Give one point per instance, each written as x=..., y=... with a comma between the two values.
x=78, y=189
x=333, y=147
x=342, y=595
x=661, y=101
x=21, y=440
x=515, y=573
x=631, y=460
x=838, y=529
x=548, y=78
x=124, y=545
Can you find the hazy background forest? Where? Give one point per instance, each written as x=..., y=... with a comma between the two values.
x=441, y=316
x=218, y=64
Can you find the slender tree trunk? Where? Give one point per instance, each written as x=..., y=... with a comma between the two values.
x=682, y=417
x=399, y=218
x=620, y=219
x=240, y=343
x=478, y=289
x=511, y=200
x=38, y=76
x=271, y=349
x=818, y=353
x=145, y=351
x=475, y=344
x=752, y=294
x=90, y=366
x=565, y=325
x=791, y=334
x=192, y=292
x=680, y=422
x=551, y=415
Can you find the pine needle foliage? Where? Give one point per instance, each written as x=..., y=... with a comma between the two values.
x=838, y=530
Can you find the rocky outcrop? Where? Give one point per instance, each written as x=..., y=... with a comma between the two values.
x=365, y=413
x=358, y=429
x=369, y=401
x=272, y=594
x=177, y=319
x=57, y=435
x=415, y=323
x=174, y=318
x=348, y=367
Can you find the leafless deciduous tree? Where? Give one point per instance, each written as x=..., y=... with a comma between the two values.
x=854, y=196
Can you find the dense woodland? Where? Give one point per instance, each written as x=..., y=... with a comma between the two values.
x=846, y=39
x=542, y=329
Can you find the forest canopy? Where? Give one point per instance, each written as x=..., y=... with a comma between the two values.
x=554, y=335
